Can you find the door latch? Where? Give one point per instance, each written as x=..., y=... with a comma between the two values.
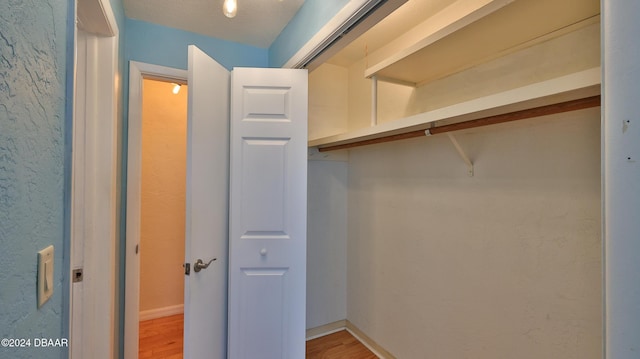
x=77, y=275
x=187, y=268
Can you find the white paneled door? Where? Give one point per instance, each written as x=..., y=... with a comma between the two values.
x=246, y=207
x=268, y=203
x=205, y=309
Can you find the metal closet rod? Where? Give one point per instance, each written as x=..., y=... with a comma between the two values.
x=561, y=107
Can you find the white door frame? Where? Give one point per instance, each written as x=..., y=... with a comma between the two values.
x=93, y=195
x=138, y=71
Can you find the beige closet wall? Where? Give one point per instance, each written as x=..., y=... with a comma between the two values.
x=573, y=52
x=504, y=264
x=164, y=125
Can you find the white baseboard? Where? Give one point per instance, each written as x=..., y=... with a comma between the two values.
x=161, y=312
x=379, y=351
x=334, y=327
x=326, y=329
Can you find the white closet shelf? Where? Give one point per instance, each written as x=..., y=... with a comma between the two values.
x=471, y=32
x=579, y=85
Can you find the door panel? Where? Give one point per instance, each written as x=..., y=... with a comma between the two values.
x=269, y=285
x=263, y=203
x=266, y=105
x=207, y=219
x=267, y=258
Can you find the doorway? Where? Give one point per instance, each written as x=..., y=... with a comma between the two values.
x=156, y=151
x=271, y=98
x=162, y=218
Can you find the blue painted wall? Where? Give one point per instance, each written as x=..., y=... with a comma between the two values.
x=33, y=168
x=311, y=17
x=161, y=45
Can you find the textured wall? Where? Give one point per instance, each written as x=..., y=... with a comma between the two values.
x=32, y=162
x=162, y=223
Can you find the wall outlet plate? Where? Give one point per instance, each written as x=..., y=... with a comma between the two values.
x=45, y=275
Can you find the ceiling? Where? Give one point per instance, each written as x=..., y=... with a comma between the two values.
x=258, y=22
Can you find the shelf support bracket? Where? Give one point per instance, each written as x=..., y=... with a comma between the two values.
x=461, y=152
x=374, y=100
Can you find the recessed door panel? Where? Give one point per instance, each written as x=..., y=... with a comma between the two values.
x=264, y=182
x=266, y=104
x=263, y=296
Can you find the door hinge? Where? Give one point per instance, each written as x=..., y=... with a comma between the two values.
x=187, y=268
x=77, y=275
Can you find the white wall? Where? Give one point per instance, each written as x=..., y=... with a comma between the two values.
x=327, y=200
x=505, y=264
x=326, y=243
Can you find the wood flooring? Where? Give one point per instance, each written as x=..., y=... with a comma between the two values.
x=340, y=345
x=162, y=339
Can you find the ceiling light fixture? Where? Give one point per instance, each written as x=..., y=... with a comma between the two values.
x=230, y=8
x=176, y=89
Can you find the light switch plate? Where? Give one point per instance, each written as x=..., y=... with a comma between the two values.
x=45, y=275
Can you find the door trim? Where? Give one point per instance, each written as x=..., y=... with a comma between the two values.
x=138, y=71
x=354, y=19
x=92, y=302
